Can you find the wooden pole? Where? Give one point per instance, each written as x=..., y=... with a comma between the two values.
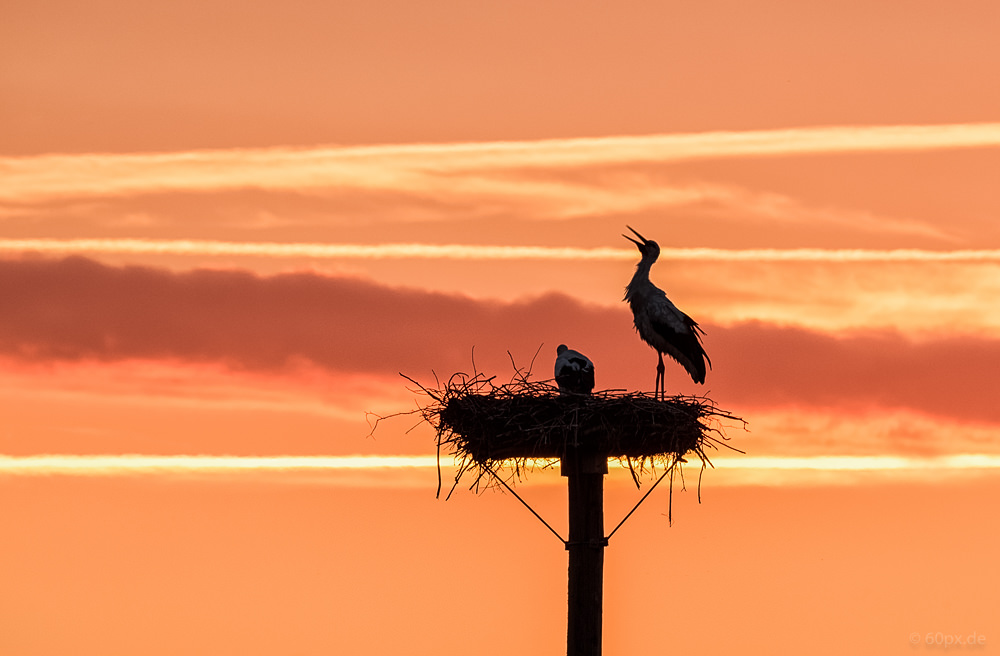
x=585, y=479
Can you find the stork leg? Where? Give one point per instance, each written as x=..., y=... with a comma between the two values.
x=660, y=394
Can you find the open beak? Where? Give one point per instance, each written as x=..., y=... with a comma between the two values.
x=640, y=244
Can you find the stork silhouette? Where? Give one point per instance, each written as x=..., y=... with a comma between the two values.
x=574, y=371
x=658, y=321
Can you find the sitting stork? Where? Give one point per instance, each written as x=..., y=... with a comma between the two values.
x=574, y=371
x=658, y=321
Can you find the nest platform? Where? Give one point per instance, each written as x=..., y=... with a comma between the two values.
x=487, y=426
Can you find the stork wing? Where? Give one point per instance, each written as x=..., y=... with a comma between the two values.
x=680, y=338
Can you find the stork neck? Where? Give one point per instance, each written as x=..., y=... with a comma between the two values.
x=640, y=277
x=642, y=269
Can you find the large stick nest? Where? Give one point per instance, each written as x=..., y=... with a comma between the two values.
x=516, y=425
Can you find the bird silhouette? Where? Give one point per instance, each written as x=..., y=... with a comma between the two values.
x=574, y=371
x=658, y=321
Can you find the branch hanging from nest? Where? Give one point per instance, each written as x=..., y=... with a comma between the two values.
x=511, y=427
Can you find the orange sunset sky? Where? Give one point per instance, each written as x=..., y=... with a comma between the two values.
x=226, y=228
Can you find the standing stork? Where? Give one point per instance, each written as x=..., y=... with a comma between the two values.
x=658, y=321
x=574, y=371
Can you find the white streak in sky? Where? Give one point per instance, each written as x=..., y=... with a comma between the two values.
x=188, y=247
x=444, y=166
x=91, y=465
x=112, y=465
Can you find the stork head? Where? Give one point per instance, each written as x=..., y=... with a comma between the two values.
x=649, y=249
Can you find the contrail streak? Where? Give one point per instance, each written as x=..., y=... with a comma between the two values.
x=89, y=465
x=188, y=247
x=443, y=166
x=111, y=465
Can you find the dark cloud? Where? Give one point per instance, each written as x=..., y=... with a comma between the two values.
x=950, y=375
x=76, y=308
